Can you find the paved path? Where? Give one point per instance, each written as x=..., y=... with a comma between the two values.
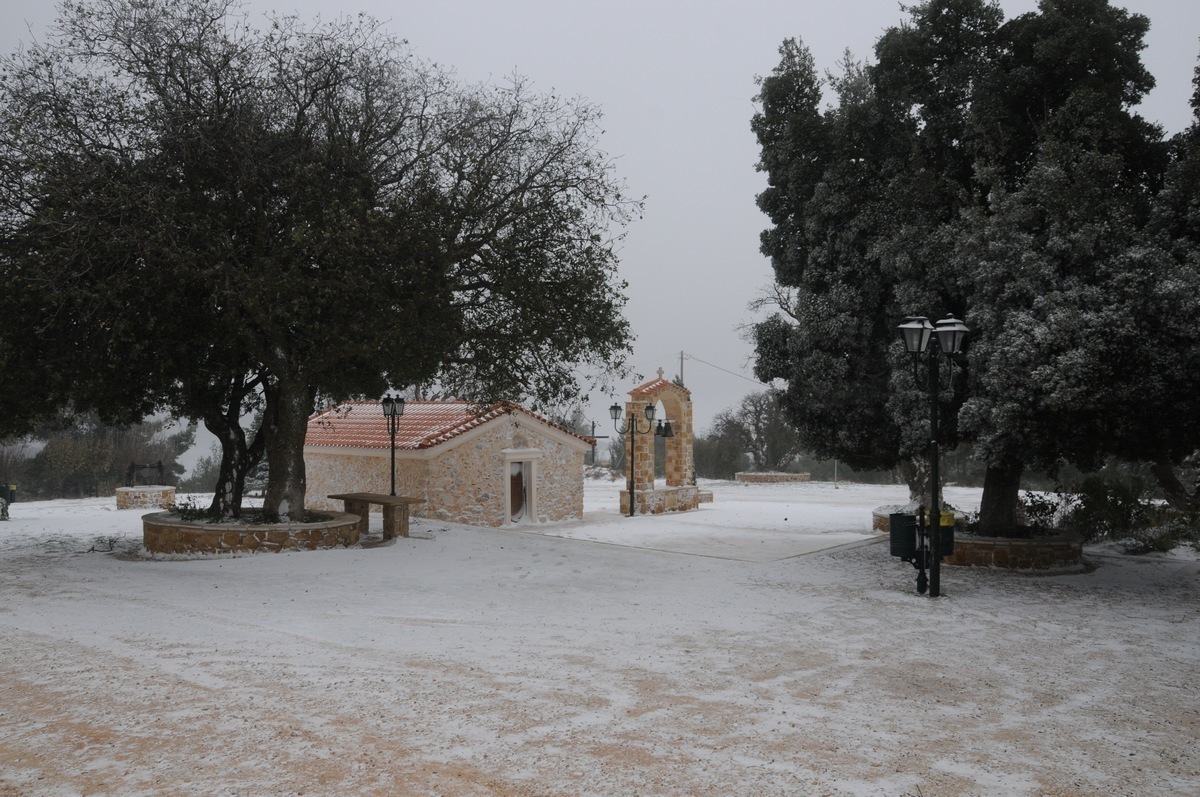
x=724, y=532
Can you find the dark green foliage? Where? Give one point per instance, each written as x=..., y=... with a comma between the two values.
x=1118, y=505
x=222, y=221
x=1115, y=504
x=717, y=456
x=996, y=171
x=203, y=474
x=757, y=436
x=1042, y=512
x=758, y=429
x=80, y=456
x=1108, y=508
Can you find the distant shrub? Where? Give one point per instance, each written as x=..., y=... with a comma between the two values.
x=189, y=510
x=1178, y=530
x=1109, y=508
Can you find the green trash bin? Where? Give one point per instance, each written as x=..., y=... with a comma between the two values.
x=902, y=535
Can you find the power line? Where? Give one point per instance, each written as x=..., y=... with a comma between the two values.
x=726, y=370
x=685, y=355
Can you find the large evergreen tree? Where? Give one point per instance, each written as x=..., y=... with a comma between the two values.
x=213, y=218
x=1002, y=176
x=824, y=196
x=1175, y=228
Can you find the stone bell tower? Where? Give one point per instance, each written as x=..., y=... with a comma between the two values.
x=680, y=492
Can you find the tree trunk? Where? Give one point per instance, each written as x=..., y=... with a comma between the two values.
x=1173, y=490
x=288, y=405
x=1001, y=496
x=222, y=412
x=231, y=477
x=915, y=473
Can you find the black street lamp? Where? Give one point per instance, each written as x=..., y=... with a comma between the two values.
x=948, y=336
x=393, y=408
x=631, y=428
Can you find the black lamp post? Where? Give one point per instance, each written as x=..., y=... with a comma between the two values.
x=631, y=428
x=948, y=336
x=393, y=408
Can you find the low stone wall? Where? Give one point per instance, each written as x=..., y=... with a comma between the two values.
x=771, y=477
x=164, y=532
x=664, y=499
x=1042, y=553
x=147, y=496
x=881, y=517
x=1035, y=554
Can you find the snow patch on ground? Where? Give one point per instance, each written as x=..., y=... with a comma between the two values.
x=763, y=645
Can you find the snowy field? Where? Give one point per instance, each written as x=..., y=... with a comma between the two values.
x=765, y=644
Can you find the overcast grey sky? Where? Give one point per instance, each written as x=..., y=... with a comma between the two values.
x=676, y=82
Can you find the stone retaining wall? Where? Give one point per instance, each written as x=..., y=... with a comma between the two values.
x=164, y=532
x=881, y=516
x=1037, y=554
x=771, y=477
x=1042, y=553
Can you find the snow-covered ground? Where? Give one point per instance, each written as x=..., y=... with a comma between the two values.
x=762, y=645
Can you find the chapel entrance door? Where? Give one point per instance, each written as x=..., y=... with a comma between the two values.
x=516, y=491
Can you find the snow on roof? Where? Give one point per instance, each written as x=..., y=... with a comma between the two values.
x=424, y=424
x=656, y=386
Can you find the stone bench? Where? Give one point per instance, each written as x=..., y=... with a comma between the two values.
x=395, y=511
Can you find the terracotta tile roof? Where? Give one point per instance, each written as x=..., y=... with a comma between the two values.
x=424, y=424
x=656, y=386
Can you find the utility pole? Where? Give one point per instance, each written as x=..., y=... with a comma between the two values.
x=594, y=438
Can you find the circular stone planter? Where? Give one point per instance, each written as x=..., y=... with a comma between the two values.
x=146, y=496
x=165, y=532
x=1042, y=553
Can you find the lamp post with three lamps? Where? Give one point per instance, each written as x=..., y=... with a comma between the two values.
x=393, y=408
x=947, y=337
x=631, y=428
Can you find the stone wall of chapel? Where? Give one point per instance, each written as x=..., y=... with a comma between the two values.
x=465, y=483
x=348, y=471
x=560, y=480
